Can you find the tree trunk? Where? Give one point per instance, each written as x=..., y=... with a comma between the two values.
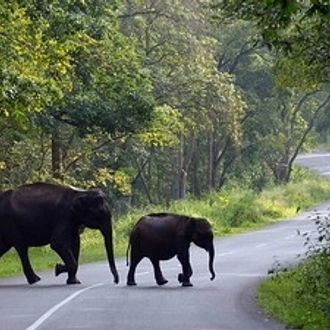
x=56, y=155
x=210, y=158
x=196, y=188
x=179, y=182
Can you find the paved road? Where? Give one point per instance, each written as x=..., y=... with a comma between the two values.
x=227, y=303
x=318, y=161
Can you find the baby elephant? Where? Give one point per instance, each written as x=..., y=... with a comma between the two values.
x=161, y=236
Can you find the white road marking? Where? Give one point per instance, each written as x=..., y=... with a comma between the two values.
x=325, y=173
x=142, y=273
x=224, y=254
x=244, y=274
x=52, y=311
x=291, y=236
x=260, y=245
x=313, y=155
x=260, y=231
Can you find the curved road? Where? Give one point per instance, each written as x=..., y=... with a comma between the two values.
x=227, y=303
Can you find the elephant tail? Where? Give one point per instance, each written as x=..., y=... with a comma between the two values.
x=127, y=251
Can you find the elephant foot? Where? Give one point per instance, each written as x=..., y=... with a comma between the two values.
x=59, y=269
x=73, y=281
x=33, y=279
x=131, y=283
x=162, y=281
x=184, y=283
x=116, y=278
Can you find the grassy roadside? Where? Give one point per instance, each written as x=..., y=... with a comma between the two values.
x=289, y=298
x=231, y=211
x=300, y=297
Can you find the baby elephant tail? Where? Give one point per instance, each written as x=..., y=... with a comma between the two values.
x=127, y=251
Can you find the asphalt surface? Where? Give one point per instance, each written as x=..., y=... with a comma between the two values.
x=227, y=303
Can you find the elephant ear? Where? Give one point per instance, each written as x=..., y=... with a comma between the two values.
x=89, y=200
x=187, y=227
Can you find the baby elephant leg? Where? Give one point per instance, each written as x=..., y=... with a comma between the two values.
x=187, y=271
x=134, y=261
x=160, y=280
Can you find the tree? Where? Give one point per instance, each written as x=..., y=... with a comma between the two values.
x=94, y=69
x=278, y=121
x=34, y=72
x=180, y=54
x=298, y=29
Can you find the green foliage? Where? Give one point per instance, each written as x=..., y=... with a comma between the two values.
x=180, y=50
x=110, y=91
x=279, y=296
x=145, y=98
x=66, y=70
x=163, y=132
x=33, y=69
x=315, y=284
x=149, y=100
x=299, y=29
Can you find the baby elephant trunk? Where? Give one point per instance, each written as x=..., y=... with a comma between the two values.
x=211, y=261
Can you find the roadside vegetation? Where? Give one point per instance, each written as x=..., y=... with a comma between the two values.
x=230, y=211
x=300, y=297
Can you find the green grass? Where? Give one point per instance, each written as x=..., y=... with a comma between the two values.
x=289, y=298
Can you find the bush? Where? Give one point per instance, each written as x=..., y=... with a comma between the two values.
x=242, y=207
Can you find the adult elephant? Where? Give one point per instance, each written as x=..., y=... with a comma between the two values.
x=40, y=213
x=161, y=236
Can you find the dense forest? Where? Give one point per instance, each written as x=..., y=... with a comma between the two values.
x=156, y=100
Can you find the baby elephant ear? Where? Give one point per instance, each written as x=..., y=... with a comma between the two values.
x=190, y=227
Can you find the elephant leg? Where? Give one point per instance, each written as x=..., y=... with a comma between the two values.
x=158, y=272
x=187, y=271
x=30, y=275
x=4, y=248
x=134, y=261
x=70, y=265
x=61, y=268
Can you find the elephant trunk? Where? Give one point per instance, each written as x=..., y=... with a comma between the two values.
x=107, y=235
x=211, y=260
